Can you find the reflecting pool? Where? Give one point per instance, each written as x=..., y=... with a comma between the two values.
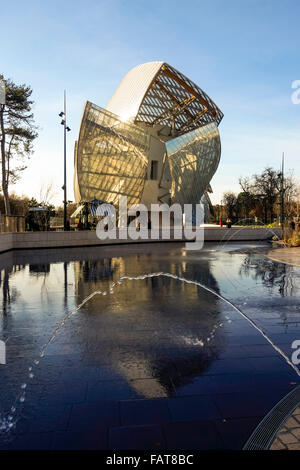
x=113, y=347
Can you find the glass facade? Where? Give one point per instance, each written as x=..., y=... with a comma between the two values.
x=156, y=141
x=110, y=157
x=193, y=159
x=156, y=93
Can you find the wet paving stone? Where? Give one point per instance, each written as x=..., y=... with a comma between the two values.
x=235, y=432
x=66, y=392
x=94, y=439
x=201, y=435
x=144, y=437
x=111, y=390
x=244, y=405
x=51, y=417
x=30, y=441
x=198, y=386
x=189, y=408
x=85, y=417
x=134, y=412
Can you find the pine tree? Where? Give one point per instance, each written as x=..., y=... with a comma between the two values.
x=17, y=133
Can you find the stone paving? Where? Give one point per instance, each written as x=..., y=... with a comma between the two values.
x=288, y=437
x=286, y=255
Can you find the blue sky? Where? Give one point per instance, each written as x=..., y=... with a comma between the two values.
x=243, y=53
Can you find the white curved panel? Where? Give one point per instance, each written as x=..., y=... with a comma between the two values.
x=127, y=98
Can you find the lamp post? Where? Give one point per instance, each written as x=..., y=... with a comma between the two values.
x=63, y=114
x=282, y=191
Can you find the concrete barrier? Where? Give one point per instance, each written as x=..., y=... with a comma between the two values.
x=6, y=241
x=32, y=240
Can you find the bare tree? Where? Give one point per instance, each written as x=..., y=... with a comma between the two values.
x=47, y=194
x=297, y=201
x=290, y=194
x=229, y=201
x=246, y=199
x=266, y=189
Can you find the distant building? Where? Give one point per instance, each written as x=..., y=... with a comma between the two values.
x=157, y=141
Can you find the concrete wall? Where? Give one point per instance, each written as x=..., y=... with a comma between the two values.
x=29, y=240
x=6, y=241
x=240, y=233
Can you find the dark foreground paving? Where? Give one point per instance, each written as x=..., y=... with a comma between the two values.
x=155, y=363
x=81, y=415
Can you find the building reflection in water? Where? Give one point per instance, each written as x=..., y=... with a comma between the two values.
x=273, y=275
x=39, y=269
x=9, y=295
x=156, y=327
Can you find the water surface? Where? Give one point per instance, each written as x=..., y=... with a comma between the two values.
x=153, y=354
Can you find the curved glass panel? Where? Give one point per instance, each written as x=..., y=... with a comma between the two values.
x=175, y=101
x=156, y=93
x=76, y=187
x=193, y=160
x=111, y=157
